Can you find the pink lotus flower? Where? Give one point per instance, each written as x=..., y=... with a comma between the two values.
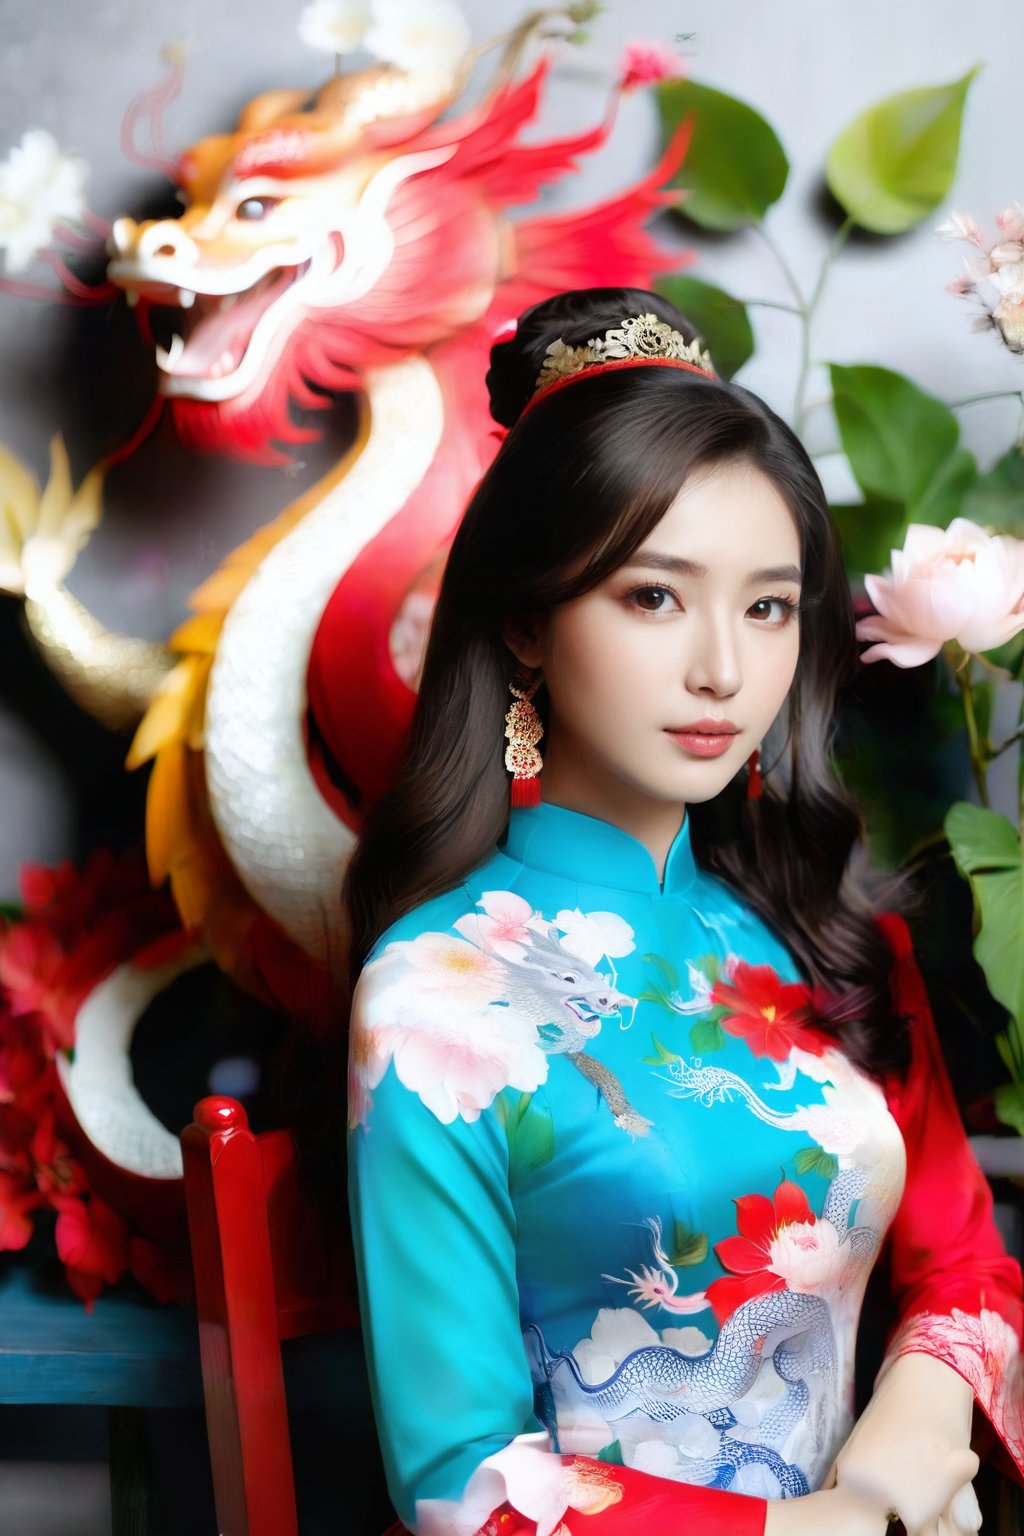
x=643, y=63
x=808, y=1256
x=959, y=584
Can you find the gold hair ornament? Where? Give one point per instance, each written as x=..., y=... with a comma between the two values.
x=639, y=339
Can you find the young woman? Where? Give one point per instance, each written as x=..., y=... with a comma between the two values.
x=640, y=1085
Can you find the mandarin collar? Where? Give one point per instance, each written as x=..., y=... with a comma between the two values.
x=578, y=847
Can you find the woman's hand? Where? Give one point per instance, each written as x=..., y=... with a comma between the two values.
x=832, y=1511
x=910, y=1449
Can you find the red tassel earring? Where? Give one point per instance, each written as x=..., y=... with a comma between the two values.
x=524, y=730
x=755, y=781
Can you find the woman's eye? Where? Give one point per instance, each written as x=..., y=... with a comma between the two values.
x=774, y=610
x=651, y=599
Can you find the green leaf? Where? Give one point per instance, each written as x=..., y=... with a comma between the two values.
x=661, y=1056
x=720, y=320
x=902, y=444
x=735, y=166
x=707, y=1035
x=1009, y=1105
x=687, y=1247
x=987, y=850
x=669, y=976
x=529, y=1130
x=996, y=500
x=816, y=1160
x=869, y=531
x=612, y=1454
x=896, y=162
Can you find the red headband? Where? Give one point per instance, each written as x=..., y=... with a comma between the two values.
x=618, y=362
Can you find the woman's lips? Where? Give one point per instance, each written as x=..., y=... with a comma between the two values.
x=706, y=738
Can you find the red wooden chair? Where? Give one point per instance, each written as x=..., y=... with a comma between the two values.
x=268, y=1268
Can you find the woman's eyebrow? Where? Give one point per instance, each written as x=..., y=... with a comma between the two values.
x=694, y=568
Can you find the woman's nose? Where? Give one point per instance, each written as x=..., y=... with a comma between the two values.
x=714, y=663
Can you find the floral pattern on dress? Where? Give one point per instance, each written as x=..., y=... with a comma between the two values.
x=464, y=1015
x=983, y=1347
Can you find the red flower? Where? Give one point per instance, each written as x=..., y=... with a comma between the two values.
x=768, y=1013
x=18, y=1196
x=92, y=1241
x=749, y=1256
x=78, y=925
x=644, y=63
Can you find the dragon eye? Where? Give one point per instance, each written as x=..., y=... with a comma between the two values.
x=570, y=979
x=256, y=207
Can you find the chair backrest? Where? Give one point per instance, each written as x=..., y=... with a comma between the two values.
x=267, y=1267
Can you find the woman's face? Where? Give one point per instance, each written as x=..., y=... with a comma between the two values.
x=664, y=678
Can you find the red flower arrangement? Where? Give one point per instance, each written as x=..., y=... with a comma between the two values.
x=76, y=927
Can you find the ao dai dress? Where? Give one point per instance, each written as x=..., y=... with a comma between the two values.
x=615, y=1203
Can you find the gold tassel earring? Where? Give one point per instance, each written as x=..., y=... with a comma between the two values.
x=523, y=729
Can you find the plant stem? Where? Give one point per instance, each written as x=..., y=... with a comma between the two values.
x=789, y=309
x=842, y=234
x=805, y=308
x=787, y=271
x=963, y=678
x=993, y=394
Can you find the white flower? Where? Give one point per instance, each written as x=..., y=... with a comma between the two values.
x=807, y=1256
x=589, y=935
x=657, y=1458
x=39, y=187
x=1010, y=222
x=450, y=972
x=960, y=226
x=432, y=1005
x=694, y=1436
x=504, y=927
x=688, y=1341
x=423, y=36
x=617, y=1332
x=334, y=26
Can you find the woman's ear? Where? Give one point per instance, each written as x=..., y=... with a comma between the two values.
x=525, y=639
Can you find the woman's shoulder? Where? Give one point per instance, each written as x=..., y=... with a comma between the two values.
x=448, y=911
x=435, y=998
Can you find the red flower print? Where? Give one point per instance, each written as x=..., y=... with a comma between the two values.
x=749, y=1256
x=770, y=1014
x=92, y=1241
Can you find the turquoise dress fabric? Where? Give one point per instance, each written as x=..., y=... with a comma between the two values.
x=611, y=1196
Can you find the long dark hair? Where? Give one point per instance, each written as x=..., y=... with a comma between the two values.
x=577, y=485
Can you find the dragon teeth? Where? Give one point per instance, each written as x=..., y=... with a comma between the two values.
x=167, y=359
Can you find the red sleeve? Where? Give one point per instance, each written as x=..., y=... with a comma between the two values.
x=958, y=1293
x=630, y=1503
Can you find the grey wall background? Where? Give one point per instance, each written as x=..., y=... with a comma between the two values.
x=808, y=65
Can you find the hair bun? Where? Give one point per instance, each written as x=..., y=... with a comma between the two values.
x=575, y=318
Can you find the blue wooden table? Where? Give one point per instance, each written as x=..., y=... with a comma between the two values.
x=127, y=1355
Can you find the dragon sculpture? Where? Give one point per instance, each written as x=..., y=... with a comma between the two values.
x=355, y=240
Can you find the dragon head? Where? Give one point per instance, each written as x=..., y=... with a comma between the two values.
x=299, y=258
